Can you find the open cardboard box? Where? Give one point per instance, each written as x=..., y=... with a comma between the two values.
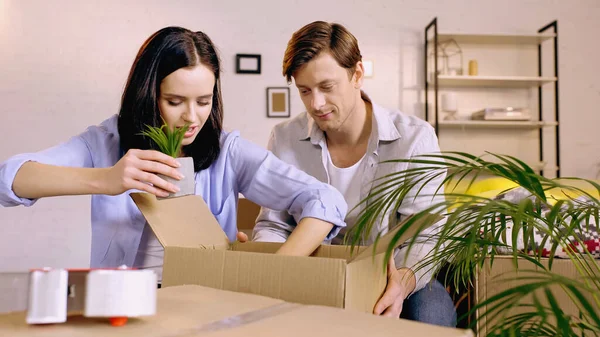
x=202, y=311
x=197, y=251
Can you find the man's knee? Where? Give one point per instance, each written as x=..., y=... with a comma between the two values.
x=432, y=305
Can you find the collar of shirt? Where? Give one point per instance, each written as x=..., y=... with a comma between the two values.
x=383, y=129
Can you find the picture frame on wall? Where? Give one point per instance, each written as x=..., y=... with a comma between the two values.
x=247, y=63
x=278, y=102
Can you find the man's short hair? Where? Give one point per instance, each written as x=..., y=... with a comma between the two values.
x=317, y=37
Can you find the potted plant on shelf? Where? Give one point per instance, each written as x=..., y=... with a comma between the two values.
x=532, y=223
x=168, y=140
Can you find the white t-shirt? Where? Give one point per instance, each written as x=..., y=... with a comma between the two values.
x=348, y=182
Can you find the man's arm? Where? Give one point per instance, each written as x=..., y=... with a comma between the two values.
x=306, y=237
x=273, y=226
x=425, y=242
x=404, y=274
x=317, y=207
x=428, y=195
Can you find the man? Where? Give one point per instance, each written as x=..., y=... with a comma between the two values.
x=341, y=140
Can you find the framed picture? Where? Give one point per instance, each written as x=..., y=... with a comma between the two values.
x=278, y=102
x=247, y=63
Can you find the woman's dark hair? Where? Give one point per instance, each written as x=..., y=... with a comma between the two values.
x=164, y=52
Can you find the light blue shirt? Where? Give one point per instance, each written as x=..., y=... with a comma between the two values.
x=242, y=167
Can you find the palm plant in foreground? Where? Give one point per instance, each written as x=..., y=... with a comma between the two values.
x=476, y=229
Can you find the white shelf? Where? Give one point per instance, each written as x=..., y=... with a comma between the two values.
x=536, y=166
x=517, y=39
x=543, y=166
x=493, y=81
x=495, y=124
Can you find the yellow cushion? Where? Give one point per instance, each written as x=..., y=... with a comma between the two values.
x=487, y=187
x=490, y=187
x=561, y=194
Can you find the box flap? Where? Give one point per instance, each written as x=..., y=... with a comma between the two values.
x=299, y=279
x=328, y=251
x=337, y=251
x=382, y=244
x=366, y=280
x=183, y=222
x=256, y=247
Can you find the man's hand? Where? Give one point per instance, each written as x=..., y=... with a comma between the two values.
x=400, y=284
x=306, y=237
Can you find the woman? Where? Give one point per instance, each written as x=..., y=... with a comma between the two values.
x=175, y=77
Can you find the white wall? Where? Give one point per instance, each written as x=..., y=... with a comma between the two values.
x=63, y=65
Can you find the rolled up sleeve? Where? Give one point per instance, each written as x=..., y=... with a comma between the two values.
x=75, y=153
x=274, y=184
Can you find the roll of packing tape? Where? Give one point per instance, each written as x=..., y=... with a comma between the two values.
x=120, y=293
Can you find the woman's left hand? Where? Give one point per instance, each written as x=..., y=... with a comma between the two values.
x=242, y=237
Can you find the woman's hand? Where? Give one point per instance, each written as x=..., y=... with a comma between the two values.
x=138, y=170
x=242, y=237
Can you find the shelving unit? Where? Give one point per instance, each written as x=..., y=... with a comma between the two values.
x=493, y=81
x=434, y=81
x=535, y=166
x=497, y=38
x=494, y=124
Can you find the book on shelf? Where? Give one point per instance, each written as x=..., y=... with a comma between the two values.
x=502, y=114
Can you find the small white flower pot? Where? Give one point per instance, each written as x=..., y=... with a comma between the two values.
x=187, y=185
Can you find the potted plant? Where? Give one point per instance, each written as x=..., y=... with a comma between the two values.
x=544, y=222
x=168, y=140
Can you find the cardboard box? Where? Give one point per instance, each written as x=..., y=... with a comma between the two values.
x=246, y=216
x=201, y=311
x=198, y=252
x=501, y=276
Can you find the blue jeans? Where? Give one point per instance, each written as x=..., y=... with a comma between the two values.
x=432, y=305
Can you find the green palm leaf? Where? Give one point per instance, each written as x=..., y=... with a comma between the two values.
x=475, y=232
x=168, y=139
